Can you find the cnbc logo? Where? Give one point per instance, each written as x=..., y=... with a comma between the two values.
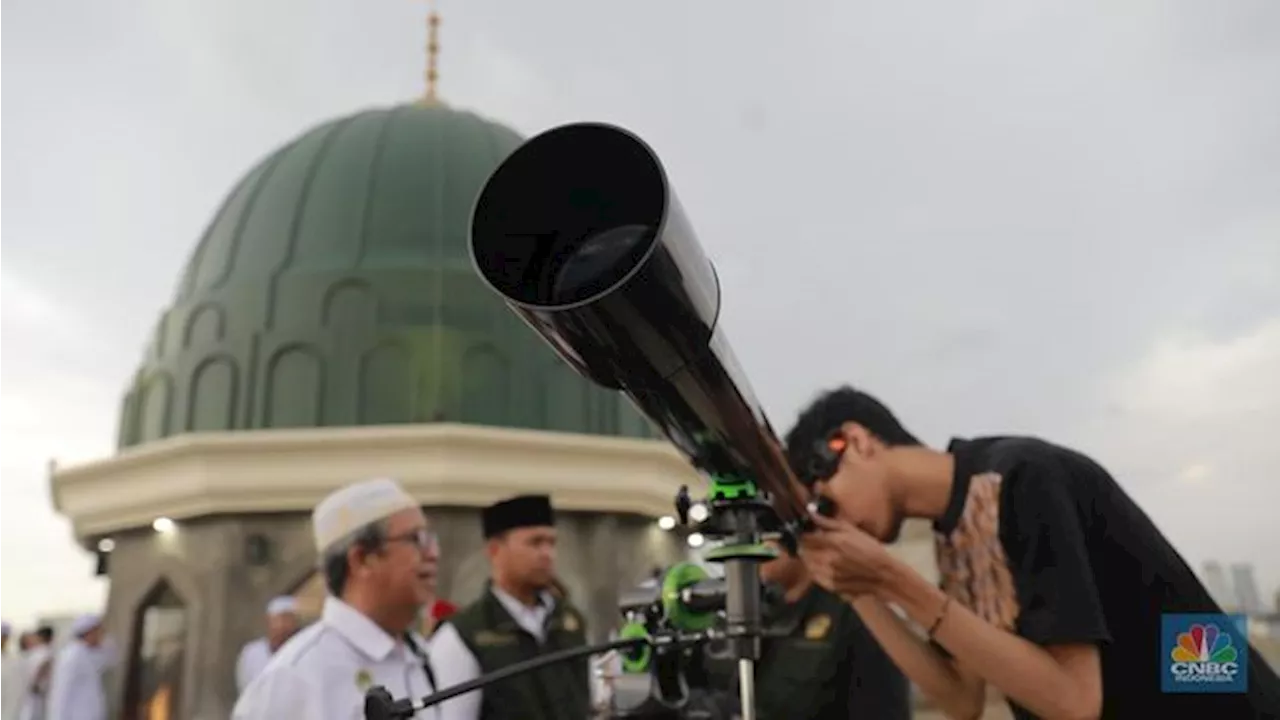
x=1204, y=654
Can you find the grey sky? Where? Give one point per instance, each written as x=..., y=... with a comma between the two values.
x=1057, y=218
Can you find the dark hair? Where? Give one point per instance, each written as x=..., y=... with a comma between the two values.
x=46, y=633
x=334, y=563
x=834, y=408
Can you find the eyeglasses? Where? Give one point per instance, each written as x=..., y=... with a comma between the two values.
x=422, y=538
x=824, y=459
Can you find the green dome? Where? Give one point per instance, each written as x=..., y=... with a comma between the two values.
x=334, y=288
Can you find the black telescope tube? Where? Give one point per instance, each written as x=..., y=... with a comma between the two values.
x=579, y=232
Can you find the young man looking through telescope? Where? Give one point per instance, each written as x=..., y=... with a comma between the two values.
x=1055, y=586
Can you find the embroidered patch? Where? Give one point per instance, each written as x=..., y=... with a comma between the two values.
x=570, y=623
x=972, y=565
x=489, y=638
x=817, y=627
x=364, y=680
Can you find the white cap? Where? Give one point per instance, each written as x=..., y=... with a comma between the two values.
x=283, y=605
x=347, y=510
x=84, y=624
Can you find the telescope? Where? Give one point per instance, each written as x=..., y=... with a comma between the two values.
x=580, y=233
x=582, y=236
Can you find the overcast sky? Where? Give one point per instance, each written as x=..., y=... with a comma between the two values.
x=1051, y=218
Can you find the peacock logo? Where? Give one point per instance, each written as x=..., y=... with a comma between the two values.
x=1204, y=644
x=1204, y=653
x=1205, y=656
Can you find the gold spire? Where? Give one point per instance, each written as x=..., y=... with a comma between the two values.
x=433, y=54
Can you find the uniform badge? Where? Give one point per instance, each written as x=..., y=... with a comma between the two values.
x=489, y=638
x=364, y=680
x=570, y=623
x=817, y=627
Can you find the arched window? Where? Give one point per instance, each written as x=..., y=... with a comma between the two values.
x=485, y=386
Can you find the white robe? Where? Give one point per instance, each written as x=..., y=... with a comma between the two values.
x=35, y=692
x=11, y=693
x=77, y=692
x=323, y=672
x=253, y=660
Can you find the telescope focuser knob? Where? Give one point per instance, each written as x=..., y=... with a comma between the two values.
x=705, y=596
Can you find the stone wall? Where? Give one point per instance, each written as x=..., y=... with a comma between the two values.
x=204, y=562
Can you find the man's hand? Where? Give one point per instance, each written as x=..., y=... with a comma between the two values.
x=843, y=559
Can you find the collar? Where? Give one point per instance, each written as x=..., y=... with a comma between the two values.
x=966, y=466
x=363, y=633
x=509, y=603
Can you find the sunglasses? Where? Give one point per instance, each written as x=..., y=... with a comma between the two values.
x=824, y=459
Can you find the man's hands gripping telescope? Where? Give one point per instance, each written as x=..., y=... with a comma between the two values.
x=843, y=559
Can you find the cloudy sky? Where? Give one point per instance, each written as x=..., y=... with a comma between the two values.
x=1055, y=218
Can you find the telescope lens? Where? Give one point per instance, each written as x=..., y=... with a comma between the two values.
x=568, y=216
x=599, y=262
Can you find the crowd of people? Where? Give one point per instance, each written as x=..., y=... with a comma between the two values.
x=46, y=682
x=379, y=558
x=1055, y=591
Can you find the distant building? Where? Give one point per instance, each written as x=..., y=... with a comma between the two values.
x=1248, y=599
x=1215, y=581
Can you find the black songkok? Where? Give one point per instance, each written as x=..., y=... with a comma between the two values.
x=517, y=512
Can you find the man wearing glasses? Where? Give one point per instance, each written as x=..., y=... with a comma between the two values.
x=378, y=556
x=517, y=618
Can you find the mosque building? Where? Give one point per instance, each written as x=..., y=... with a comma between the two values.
x=329, y=327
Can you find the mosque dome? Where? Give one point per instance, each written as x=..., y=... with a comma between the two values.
x=334, y=288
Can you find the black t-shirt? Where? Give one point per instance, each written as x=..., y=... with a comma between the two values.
x=1088, y=566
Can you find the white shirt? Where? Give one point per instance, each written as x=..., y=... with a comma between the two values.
x=253, y=660
x=322, y=672
x=454, y=663
x=12, y=691
x=76, y=692
x=35, y=690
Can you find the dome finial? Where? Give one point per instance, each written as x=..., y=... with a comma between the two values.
x=433, y=54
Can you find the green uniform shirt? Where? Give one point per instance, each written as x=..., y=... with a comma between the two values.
x=554, y=692
x=826, y=666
